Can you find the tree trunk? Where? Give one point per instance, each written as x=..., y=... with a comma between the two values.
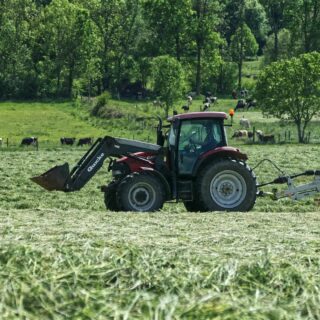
x=178, y=48
x=276, y=43
x=70, y=79
x=305, y=28
x=240, y=74
x=58, y=83
x=198, y=76
x=300, y=132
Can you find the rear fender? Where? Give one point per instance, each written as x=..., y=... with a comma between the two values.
x=161, y=177
x=223, y=152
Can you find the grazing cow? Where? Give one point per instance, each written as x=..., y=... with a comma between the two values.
x=84, y=141
x=250, y=134
x=29, y=141
x=264, y=138
x=206, y=106
x=241, y=104
x=67, y=141
x=245, y=123
x=185, y=108
x=189, y=100
x=240, y=134
x=251, y=103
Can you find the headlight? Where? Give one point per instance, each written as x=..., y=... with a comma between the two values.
x=116, y=173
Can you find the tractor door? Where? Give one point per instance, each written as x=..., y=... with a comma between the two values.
x=196, y=137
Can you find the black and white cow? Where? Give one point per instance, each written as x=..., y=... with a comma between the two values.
x=29, y=141
x=67, y=141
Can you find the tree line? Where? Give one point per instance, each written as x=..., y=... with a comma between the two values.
x=62, y=48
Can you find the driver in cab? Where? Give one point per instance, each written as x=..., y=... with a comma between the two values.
x=209, y=141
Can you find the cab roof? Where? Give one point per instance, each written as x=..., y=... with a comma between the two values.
x=197, y=115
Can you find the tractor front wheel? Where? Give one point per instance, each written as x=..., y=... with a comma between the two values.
x=110, y=197
x=140, y=192
x=227, y=185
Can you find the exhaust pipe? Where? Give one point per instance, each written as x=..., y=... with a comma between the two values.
x=56, y=178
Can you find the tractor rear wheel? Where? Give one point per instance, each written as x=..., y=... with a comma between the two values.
x=140, y=192
x=227, y=185
x=110, y=197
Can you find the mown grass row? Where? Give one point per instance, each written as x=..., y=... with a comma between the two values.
x=63, y=256
x=19, y=192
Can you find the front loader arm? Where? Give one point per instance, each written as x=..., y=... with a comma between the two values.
x=59, y=177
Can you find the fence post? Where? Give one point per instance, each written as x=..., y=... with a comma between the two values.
x=254, y=135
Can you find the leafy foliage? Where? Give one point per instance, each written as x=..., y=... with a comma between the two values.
x=243, y=44
x=169, y=81
x=290, y=90
x=63, y=48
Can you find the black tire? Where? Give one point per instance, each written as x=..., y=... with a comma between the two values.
x=227, y=185
x=140, y=192
x=110, y=198
x=194, y=206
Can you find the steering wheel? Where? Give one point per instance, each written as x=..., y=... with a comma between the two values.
x=192, y=146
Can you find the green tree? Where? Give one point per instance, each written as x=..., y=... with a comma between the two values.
x=62, y=35
x=91, y=62
x=285, y=47
x=168, y=79
x=169, y=22
x=118, y=24
x=256, y=20
x=242, y=45
x=276, y=14
x=17, y=72
x=303, y=19
x=251, y=12
x=290, y=90
x=204, y=25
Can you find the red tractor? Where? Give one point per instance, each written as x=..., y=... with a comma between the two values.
x=192, y=164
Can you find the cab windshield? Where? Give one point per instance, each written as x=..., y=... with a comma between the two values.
x=197, y=137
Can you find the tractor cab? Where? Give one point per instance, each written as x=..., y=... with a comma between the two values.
x=192, y=136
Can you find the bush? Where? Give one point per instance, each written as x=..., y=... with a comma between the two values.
x=102, y=101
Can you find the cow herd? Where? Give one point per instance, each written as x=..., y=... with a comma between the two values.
x=72, y=141
x=262, y=137
x=33, y=141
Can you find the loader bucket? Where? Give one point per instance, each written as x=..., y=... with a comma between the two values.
x=54, y=179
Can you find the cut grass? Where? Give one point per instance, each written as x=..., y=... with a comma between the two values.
x=93, y=265
x=62, y=256
x=20, y=193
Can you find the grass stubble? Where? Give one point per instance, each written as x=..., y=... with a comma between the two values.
x=63, y=256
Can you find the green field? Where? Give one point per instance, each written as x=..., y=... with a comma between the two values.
x=62, y=256
x=51, y=121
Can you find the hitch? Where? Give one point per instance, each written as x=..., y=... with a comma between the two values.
x=294, y=192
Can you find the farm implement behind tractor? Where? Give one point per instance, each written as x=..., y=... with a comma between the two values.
x=195, y=166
